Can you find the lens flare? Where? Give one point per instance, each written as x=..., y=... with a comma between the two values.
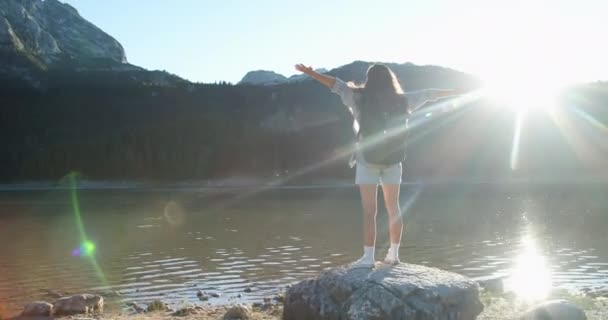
x=87, y=249
x=454, y=105
x=514, y=158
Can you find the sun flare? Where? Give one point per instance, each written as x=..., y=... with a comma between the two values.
x=522, y=93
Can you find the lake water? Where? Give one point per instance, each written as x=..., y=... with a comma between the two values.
x=168, y=243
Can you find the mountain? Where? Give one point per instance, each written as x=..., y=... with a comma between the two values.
x=53, y=32
x=270, y=78
x=71, y=102
x=302, y=77
x=263, y=77
x=46, y=41
x=412, y=76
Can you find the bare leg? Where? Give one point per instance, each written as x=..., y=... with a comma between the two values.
x=391, y=200
x=369, y=194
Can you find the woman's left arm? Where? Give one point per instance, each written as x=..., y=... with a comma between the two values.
x=435, y=94
x=421, y=98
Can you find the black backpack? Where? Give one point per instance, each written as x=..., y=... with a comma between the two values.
x=382, y=130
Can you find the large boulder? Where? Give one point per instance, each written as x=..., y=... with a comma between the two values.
x=37, y=309
x=555, y=310
x=404, y=291
x=79, y=304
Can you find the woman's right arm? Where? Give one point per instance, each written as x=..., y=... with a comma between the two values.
x=336, y=86
x=325, y=80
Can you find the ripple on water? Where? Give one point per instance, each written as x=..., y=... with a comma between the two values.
x=167, y=263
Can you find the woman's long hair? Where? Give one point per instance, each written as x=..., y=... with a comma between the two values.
x=381, y=81
x=381, y=95
x=381, y=86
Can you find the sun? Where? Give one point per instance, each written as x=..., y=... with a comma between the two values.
x=522, y=90
x=519, y=55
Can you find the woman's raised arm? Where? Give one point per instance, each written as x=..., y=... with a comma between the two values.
x=325, y=80
x=421, y=98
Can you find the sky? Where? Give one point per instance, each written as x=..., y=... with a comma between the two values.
x=208, y=41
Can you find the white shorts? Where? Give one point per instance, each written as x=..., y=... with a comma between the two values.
x=372, y=175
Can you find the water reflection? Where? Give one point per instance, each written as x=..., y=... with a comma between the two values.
x=271, y=241
x=530, y=278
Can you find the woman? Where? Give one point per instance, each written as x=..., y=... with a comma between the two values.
x=381, y=86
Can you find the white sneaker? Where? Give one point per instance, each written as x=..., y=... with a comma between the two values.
x=363, y=263
x=391, y=259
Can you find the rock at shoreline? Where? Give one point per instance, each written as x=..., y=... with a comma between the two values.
x=185, y=311
x=555, y=310
x=79, y=304
x=495, y=285
x=238, y=312
x=279, y=297
x=136, y=307
x=157, y=305
x=404, y=291
x=37, y=309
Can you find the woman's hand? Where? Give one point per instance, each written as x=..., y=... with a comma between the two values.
x=325, y=80
x=304, y=69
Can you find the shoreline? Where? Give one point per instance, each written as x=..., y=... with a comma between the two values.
x=497, y=306
x=246, y=184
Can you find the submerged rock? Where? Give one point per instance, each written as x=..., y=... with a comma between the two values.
x=78, y=304
x=404, y=291
x=555, y=310
x=37, y=309
x=202, y=295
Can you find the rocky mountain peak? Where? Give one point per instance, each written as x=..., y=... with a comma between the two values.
x=263, y=77
x=53, y=31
